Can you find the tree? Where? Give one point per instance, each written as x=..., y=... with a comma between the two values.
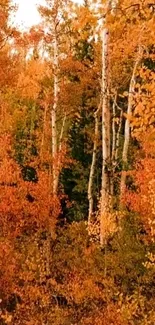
x=52, y=14
x=127, y=123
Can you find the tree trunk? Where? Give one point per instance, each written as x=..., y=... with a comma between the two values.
x=92, y=169
x=59, y=152
x=118, y=135
x=113, y=146
x=127, y=127
x=105, y=190
x=106, y=161
x=53, y=112
x=43, y=133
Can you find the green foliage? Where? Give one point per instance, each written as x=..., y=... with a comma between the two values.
x=75, y=179
x=25, y=126
x=84, y=51
x=128, y=253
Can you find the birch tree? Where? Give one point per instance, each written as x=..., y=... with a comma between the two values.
x=106, y=141
x=54, y=107
x=92, y=168
x=128, y=124
x=52, y=16
x=105, y=184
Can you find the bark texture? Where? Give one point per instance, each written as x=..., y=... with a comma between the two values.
x=92, y=168
x=54, y=111
x=128, y=126
x=105, y=186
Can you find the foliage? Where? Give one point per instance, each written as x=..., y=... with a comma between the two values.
x=52, y=271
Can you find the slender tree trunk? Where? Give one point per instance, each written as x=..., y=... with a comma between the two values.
x=106, y=161
x=59, y=152
x=92, y=169
x=62, y=132
x=113, y=145
x=105, y=186
x=54, y=110
x=43, y=133
x=127, y=126
x=118, y=135
x=113, y=131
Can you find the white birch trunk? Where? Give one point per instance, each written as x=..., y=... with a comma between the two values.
x=127, y=127
x=58, y=157
x=113, y=131
x=118, y=135
x=113, y=146
x=62, y=132
x=105, y=190
x=54, y=110
x=105, y=185
x=92, y=170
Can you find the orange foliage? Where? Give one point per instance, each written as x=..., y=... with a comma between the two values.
x=144, y=112
x=110, y=316
x=29, y=82
x=24, y=203
x=143, y=200
x=24, y=206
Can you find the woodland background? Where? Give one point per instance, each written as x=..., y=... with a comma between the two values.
x=77, y=165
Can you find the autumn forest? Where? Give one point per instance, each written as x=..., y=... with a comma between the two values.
x=77, y=165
